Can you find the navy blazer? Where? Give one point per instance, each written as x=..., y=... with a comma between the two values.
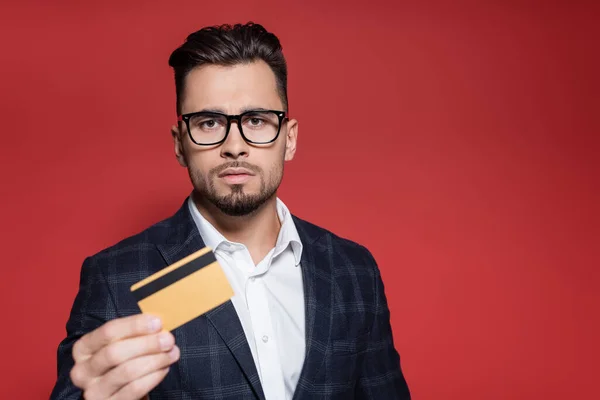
x=350, y=352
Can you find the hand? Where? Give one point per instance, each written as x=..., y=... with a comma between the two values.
x=124, y=359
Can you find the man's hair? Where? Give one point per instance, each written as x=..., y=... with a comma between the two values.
x=228, y=45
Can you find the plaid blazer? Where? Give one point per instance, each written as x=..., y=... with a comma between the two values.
x=350, y=351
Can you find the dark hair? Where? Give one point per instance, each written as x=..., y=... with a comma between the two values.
x=229, y=45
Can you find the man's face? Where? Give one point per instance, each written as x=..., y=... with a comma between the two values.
x=235, y=176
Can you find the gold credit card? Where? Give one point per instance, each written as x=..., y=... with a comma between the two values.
x=184, y=290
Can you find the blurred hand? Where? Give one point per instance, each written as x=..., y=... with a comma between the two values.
x=124, y=359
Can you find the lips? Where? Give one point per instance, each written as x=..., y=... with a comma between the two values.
x=236, y=176
x=235, y=172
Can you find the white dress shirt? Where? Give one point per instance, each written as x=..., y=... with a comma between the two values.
x=269, y=300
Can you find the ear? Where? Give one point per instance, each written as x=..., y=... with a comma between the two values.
x=178, y=142
x=291, y=139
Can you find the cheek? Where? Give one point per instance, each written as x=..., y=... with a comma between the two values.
x=199, y=169
x=202, y=160
x=274, y=170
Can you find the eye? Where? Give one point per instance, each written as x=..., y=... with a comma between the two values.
x=255, y=121
x=208, y=123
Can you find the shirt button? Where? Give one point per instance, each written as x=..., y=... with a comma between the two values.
x=252, y=279
x=265, y=339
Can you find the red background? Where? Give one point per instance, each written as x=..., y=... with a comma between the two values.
x=458, y=141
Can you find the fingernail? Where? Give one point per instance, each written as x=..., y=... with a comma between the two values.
x=165, y=340
x=155, y=324
x=174, y=353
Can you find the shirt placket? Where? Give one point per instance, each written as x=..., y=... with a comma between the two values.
x=266, y=345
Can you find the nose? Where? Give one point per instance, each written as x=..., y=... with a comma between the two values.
x=234, y=146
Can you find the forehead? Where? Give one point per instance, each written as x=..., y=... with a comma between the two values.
x=230, y=88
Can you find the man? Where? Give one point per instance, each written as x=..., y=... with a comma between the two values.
x=309, y=318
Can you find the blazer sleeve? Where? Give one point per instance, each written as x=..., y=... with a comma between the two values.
x=92, y=307
x=381, y=376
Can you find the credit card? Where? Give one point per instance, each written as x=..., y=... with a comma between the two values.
x=184, y=290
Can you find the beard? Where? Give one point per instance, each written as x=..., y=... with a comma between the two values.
x=238, y=202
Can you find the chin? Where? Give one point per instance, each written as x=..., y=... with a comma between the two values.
x=240, y=188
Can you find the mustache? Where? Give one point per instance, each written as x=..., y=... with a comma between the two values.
x=235, y=164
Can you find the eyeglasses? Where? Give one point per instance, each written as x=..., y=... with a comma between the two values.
x=207, y=128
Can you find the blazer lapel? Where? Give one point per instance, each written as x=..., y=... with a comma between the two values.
x=183, y=241
x=226, y=322
x=318, y=297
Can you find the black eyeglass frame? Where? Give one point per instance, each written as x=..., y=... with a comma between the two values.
x=281, y=115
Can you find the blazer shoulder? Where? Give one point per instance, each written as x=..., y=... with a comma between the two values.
x=325, y=237
x=144, y=240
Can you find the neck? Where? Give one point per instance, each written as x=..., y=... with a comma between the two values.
x=258, y=231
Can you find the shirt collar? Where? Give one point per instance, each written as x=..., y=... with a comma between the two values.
x=288, y=234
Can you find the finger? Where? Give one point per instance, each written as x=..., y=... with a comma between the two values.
x=114, y=330
x=140, y=387
x=124, y=350
x=128, y=372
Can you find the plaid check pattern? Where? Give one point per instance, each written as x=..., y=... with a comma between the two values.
x=350, y=351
